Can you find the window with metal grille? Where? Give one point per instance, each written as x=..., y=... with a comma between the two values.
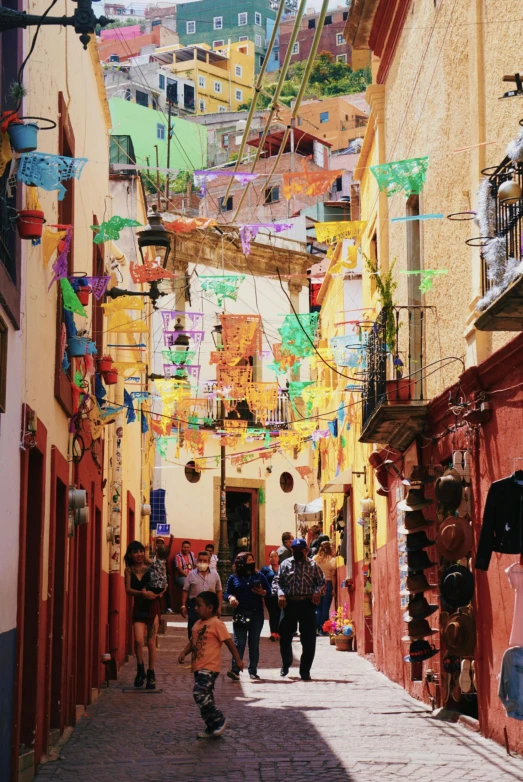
x=272, y=195
x=242, y=19
x=257, y=18
x=142, y=99
x=190, y=28
x=161, y=81
x=218, y=22
x=225, y=206
x=160, y=131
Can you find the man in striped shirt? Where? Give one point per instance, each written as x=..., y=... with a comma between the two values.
x=299, y=585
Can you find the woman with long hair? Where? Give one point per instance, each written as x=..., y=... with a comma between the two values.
x=146, y=611
x=245, y=591
x=271, y=601
x=326, y=560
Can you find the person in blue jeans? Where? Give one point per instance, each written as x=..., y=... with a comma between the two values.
x=326, y=560
x=245, y=591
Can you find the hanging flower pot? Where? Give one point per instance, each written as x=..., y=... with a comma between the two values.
x=343, y=643
x=110, y=378
x=23, y=136
x=83, y=295
x=105, y=364
x=77, y=346
x=91, y=349
x=30, y=223
x=401, y=390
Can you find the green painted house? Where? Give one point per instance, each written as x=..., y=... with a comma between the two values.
x=147, y=128
x=215, y=23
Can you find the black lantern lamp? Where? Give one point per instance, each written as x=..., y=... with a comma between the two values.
x=155, y=234
x=181, y=343
x=217, y=336
x=83, y=20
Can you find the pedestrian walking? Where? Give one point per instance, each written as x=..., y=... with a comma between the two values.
x=299, y=585
x=315, y=545
x=271, y=601
x=202, y=579
x=158, y=577
x=326, y=560
x=146, y=611
x=245, y=591
x=205, y=646
x=184, y=562
x=285, y=552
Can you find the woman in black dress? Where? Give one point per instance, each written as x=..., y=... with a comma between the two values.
x=146, y=611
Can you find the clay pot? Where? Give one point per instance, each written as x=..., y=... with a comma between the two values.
x=30, y=223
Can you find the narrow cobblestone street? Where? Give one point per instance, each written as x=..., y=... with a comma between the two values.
x=350, y=723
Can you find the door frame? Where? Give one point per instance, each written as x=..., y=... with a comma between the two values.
x=251, y=486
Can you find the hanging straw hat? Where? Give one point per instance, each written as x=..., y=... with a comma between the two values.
x=454, y=538
x=415, y=500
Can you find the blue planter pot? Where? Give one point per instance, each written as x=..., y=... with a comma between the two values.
x=77, y=346
x=23, y=136
x=91, y=349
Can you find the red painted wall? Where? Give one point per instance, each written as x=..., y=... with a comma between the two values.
x=306, y=37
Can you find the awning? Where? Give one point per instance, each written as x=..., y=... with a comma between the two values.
x=337, y=484
x=313, y=511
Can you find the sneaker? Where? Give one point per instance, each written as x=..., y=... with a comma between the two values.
x=151, y=679
x=465, y=679
x=255, y=676
x=305, y=677
x=234, y=675
x=208, y=733
x=169, y=611
x=284, y=672
x=220, y=728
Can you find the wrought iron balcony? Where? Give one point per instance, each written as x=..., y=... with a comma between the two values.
x=502, y=254
x=393, y=405
x=274, y=419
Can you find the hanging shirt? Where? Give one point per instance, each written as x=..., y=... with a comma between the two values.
x=502, y=528
x=515, y=577
x=511, y=682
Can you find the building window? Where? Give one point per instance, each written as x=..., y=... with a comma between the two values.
x=296, y=48
x=345, y=16
x=340, y=39
x=238, y=71
x=272, y=195
x=142, y=99
x=328, y=20
x=155, y=104
x=190, y=28
x=238, y=95
x=312, y=24
x=3, y=363
x=161, y=81
x=243, y=49
x=225, y=206
x=257, y=18
x=217, y=86
x=201, y=81
x=201, y=104
x=258, y=40
x=225, y=140
x=324, y=116
x=286, y=482
x=243, y=38
x=338, y=185
x=160, y=131
x=300, y=121
x=218, y=23
x=221, y=109
x=341, y=58
x=127, y=94
x=191, y=473
x=262, y=59
x=276, y=54
x=242, y=19
x=215, y=44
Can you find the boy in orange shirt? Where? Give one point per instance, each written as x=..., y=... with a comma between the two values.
x=207, y=637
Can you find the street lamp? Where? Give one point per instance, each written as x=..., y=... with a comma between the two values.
x=155, y=234
x=154, y=293
x=83, y=20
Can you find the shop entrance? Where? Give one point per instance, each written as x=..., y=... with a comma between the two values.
x=241, y=521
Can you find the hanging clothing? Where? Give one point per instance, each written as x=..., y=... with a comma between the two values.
x=502, y=528
x=511, y=682
x=515, y=577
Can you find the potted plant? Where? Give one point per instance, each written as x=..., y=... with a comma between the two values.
x=30, y=223
x=83, y=294
x=77, y=346
x=110, y=378
x=23, y=136
x=341, y=628
x=105, y=364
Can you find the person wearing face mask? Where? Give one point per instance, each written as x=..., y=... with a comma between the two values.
x=201, y=579
x=299, y=585
x=245, y=591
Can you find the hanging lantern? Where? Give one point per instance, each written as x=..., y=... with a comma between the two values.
x=509, y=192
x=155, y=235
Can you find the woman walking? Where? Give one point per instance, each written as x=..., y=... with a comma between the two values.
x=271, y=601
x=245, y=591
x=327, y=562
x=146, y=611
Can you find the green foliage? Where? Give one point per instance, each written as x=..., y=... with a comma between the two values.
x=386, y=286
x=179, y=184
x=120, y=23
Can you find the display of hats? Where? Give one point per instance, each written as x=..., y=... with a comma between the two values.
x=417, y=583
x=415, y=500
x=457, y=586
x=414, y=521
x=449, y=489
x=419, y=474
x=416, y=541
x=454, y=538
x=460, y=635
x=417, y=560
x=419, y=628
x=419, y=651
x=419, y=608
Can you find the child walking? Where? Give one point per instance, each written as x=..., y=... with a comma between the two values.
x=208, y=635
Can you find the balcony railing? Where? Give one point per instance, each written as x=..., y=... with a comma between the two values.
x=276, y=419
x=393, y=402
x=502, y=300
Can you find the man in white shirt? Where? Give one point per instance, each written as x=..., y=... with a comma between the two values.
x=201, y=579
x=213, y=564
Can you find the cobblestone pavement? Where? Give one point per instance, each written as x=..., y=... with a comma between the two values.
x=350, y=724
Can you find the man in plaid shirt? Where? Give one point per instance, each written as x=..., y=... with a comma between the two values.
x=299, y=585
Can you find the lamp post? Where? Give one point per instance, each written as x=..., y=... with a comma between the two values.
x=83, y=20
x=155, y=235
x=224, y=562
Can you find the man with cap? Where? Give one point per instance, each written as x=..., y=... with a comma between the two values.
x=299, y=585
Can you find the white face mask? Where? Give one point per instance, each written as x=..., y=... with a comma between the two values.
x=203, y=566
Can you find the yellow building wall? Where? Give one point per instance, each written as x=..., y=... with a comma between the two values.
x=339, y=130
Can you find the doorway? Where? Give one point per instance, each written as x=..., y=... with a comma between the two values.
x=131, y=534
x=244, y=489
x=241, y=531
x=57, y=717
